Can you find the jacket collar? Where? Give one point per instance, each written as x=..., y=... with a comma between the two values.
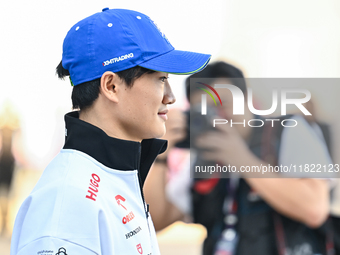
x=112, y=152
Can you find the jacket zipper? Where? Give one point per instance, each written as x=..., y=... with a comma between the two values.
x=146, y=207
x=140, y=183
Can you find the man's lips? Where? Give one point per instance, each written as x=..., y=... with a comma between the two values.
x=163, y=115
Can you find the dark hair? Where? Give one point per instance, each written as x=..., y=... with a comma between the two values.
x=84, y=94
x=219, y=70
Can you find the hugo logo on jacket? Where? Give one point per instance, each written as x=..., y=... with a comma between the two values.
x=93, y=188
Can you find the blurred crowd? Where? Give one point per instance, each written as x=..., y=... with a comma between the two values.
x=244, y=213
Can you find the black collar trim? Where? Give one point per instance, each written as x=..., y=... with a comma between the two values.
x=112, y=152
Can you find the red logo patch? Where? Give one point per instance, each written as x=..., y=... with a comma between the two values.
x=119, y=200
x=128, y=218
x=139, y=248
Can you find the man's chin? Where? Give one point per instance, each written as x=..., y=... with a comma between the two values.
x=157, y=135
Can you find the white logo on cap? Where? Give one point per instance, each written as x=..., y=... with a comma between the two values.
x=117, y=59
x=160, y=31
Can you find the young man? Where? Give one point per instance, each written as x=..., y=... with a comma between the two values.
x=89, y=200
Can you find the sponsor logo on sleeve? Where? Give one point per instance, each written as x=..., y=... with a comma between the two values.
x=128, y=218
x=45, y=252
x=61, y=251
x=133, y=232
x=93, y=188
x=119, y=200
x=139, y=248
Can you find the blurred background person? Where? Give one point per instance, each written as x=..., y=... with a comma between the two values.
x=247, y=215
x=9, y=125
x=321, y=129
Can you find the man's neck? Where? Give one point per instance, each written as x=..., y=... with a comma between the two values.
x=104, y=122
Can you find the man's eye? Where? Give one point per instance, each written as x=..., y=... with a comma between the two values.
x=163, y=79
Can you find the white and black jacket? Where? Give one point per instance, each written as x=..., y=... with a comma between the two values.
x=89, y=199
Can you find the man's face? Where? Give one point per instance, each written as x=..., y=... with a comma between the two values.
x=143, y=107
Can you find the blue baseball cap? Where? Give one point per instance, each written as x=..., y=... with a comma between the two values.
x=118, y=39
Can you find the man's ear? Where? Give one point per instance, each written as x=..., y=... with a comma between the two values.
x=110, y=85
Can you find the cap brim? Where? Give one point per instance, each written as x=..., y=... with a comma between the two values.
x=178, y=62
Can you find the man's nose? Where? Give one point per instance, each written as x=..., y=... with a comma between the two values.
x=169, y=97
